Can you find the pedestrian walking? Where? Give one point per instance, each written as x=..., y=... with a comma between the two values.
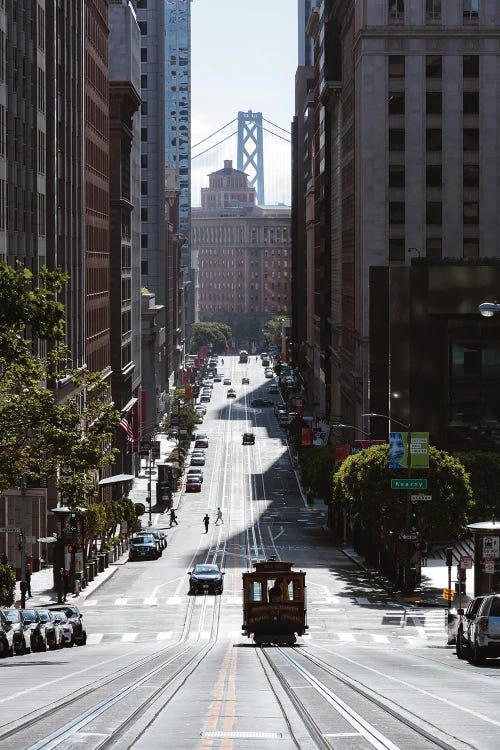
x=206, y=521
x=65, y=583
x=28, y=576
x=173, y=517
x=219, y=517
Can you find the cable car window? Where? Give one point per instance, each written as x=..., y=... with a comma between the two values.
x=256, y=591
x=274, y=591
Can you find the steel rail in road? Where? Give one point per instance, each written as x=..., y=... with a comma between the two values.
x=180, y=674
x=376, y=739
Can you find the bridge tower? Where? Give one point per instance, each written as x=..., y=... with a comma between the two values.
x=250, y=150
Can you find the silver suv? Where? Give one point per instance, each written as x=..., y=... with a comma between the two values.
x=484, y=639
x=467, y=617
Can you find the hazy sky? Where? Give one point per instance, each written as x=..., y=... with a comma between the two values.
x=244, y=56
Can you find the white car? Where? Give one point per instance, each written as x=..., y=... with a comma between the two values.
x=195, y=472
x=227, y=381
x=200, y=408
x=197, y=459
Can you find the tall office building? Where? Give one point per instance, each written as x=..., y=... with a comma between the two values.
x=406, y=165
x=96, y=161
x=305, y=47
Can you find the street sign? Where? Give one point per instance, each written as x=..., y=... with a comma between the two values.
x=408, y=484
x=412, y=536
x=420, y=498
x=491, y=546
x=155, y=449
x=466, y=562
x=10, y=529
x=448, y=594
x=489, y=565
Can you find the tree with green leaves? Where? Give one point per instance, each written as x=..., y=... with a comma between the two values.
x=483, y=468
x=42, y=437
x=273, y=328
x=7, y=583
x=216, y=335
x=362, y=487
x=317, y=464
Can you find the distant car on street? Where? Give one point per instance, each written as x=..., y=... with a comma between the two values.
x=143, y=548
x=195, y=472
x=248, y=438
x=467, y=617
x=231, y=393
x=7, y=647
x=261, y=402
x=227, y=381
x=245, y=381
x=273, y=388
x=205, y=579
x=38, y=632
x=75, y=619
x=21, y=629
x=193, y=484
x=200, y=408
x=197, y=459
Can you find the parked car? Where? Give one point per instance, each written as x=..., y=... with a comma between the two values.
x=204, y=398
x=245, y=381
x=143, y=548
x=266, y=362
x=38, y=631
x=217, y=378
x=197, y=459
x=206, y=578
x=21, y=629
x=231, y=393
x=248, y=438
x=261, y=402
x=201, y=437
x=66, y=628
x=193, y=484
x=200, y=444
x=227, y=381
x=484, y=638
x=464, y=626
x=195, y=472
x=75, y=619
x=200, y=408
x=53, y=630
x=6, y=636
x=150, y=532
x=273, y=388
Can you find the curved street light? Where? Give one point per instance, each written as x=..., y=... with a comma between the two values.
x=390, y=419
x=488, y=309
x=352, y=427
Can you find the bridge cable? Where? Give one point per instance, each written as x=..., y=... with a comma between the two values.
x=276, y=126
x=215, y=144
x=214, y=133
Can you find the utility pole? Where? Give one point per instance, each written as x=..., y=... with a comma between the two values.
x=23, y=583
x=150, y=522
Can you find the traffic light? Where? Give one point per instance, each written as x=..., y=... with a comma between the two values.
x=461, y=583
x=413, y=519
x=72, y=548
x=449, y=556
x=73, y=523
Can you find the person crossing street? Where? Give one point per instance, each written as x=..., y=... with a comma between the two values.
x=206, y=521
x=173, y=517
x=219, y=517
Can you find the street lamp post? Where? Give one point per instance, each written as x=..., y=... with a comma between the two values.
x=61, y=513
x=488, y=309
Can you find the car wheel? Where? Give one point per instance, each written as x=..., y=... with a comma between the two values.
x=71, y=643
x=82, y=641
x=460, y=650
x=43, y=645
x=26, y=649
x=478, y=655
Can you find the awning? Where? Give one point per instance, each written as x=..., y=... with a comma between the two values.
x=128, y=406
x=117, y=479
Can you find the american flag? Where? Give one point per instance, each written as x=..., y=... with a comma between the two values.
x=126, y=424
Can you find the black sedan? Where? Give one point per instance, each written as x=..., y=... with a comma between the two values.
x=38, y=631
x=21, y=629
x=75, y=619
x=6, y=637
x=143, y=548
x=205, y=579
x=248, y=438
x=261, y=402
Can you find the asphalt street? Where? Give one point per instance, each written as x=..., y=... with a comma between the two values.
x=162, y=669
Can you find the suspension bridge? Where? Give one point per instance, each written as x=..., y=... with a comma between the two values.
x=256, y=146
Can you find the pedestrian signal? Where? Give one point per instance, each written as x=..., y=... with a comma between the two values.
x=72, y=548
x=73, y=523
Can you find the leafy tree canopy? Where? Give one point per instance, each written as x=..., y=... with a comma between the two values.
x=362, y=486
x=218, y=335
x=272, y=329
x=483, y=468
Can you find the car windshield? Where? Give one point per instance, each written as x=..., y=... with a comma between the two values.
x=12, y=615
x=146, y=539
x=29, y=616
x=61, y=616
x=495, y=607
x=43, y=615
x=71, y=612
x=206, y=569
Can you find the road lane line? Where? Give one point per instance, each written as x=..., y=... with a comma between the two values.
x=129, y=637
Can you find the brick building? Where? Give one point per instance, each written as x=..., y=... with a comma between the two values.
x=241, y=251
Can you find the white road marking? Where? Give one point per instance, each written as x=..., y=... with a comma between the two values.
x=151, y=600
x=165, y=636
x=379, y=638
x=174, y=600
x=91, y=603
x=121, y=601
x=129, y=637
x=347, y=637
x=94, y=638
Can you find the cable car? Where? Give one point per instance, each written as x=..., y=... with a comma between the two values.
x=274, y=603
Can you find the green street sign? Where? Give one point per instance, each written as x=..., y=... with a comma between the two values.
x=408, y=484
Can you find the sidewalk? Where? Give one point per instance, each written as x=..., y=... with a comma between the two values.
x=139, y=491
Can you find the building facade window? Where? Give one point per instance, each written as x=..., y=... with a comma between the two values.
x=470, y=66
x=396, y=176
x=471, y=139
x=471, y=212
x=471, y=9
x=471, y=175
x=396, y=212
x=434, y=247
x=433, y=9
x=396, y=66
x=471, y=247
x=434, y=213
x=396, y=249
x=471, y=102
x=396, y=139
x=397, y=103
x=433, y=103
x=434, y=175
x=396, y=10
x=433, y=66
x=434, y=139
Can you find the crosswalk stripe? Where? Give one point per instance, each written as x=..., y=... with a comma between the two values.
x=94, y=638
x=164, y=636
x=91, y=603
x=121, y=602
x=151, y=600
x=174, y=600
x=129, y=637
x=348, y=637
x=378, y=638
